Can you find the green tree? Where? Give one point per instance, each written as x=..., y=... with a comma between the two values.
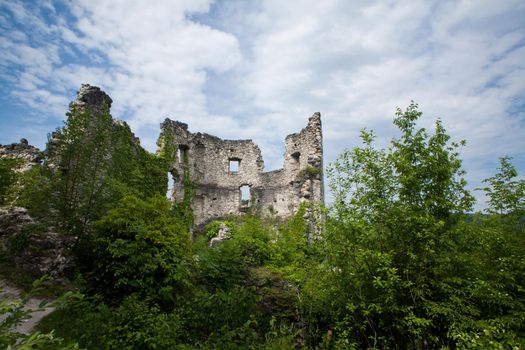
x=386, y=233
x=34, y=191
x=506, y=193
x=428, y=170
x=81, y=153
x=96, y=160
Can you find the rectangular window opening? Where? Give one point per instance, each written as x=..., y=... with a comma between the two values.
x=245, y=195
x=234, y=165
x=182, y=154
x=171, y=186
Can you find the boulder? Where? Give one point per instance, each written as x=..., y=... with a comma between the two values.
x=34, y=247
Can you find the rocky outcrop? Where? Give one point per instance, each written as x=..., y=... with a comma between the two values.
x=92, y=98
x=34, y=247
x=23, y=151
x=12, y=220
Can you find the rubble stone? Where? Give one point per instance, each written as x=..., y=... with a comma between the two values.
x=23, y=151
x=39, y=252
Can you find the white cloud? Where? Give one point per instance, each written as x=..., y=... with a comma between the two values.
x=260, y=69
x=160, y=59
x=355, y=62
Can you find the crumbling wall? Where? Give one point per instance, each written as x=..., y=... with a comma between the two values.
x=219, y=168
x=27, y=155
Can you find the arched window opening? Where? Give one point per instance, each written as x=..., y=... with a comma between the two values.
x=295, y=160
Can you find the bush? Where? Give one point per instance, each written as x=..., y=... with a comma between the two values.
x=8, y=177
x=140, y=248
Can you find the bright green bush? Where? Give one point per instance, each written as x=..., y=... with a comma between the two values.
x=140, y=248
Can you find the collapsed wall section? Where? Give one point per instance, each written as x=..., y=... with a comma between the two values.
x=228, y=178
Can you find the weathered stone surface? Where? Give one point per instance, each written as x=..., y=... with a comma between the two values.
x=12, y=219
x=222, y=235
x=93, y=100
x=277, y=297
x=23, y=151
x=206, y=160
x=48, y=253
x=44, y=252
x=92, y=97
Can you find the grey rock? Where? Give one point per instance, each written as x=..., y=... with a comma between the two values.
x=27, y=155
x=45, y=252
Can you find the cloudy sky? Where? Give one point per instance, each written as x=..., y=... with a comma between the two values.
x=259, y=69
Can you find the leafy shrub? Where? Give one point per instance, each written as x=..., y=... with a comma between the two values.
x=137, y=325
x=212, y=228
x=140, y=248
x=21, y=240
x=8, y=177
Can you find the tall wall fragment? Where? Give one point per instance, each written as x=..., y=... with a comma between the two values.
x=229, y=176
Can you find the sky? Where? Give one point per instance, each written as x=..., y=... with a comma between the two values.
x=258, y=69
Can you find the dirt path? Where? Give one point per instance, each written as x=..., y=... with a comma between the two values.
x=27, y=326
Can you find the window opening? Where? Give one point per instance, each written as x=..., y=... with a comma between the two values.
x=295, y=161
x=234, y=165
x=182, y=154
x=245, y=195
x=171, y=185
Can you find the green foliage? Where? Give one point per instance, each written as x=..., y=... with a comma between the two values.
x=506, y=194
x=212, y=228
x=81, y=150
x=481, y=281
x=225, y=266
x=137, y=325
x=167, y=146
x=419, y=172
x=14, y=312
x=311, y=172
x=396, y=264
x=387, y=238
x=91, y=163
x=140, y=248
x=20, y=240
x=85, y=321
x=428, y=169
x=8, y=177
x=134, y=167
x=34, y=191
x=290, y=247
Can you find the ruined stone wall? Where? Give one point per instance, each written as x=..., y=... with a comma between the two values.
x=206, y=160
x=27, y=155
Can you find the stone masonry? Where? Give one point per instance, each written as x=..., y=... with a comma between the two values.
x=229, y=177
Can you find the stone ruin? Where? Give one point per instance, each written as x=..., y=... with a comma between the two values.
x=27, y=155
x=228, y=176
